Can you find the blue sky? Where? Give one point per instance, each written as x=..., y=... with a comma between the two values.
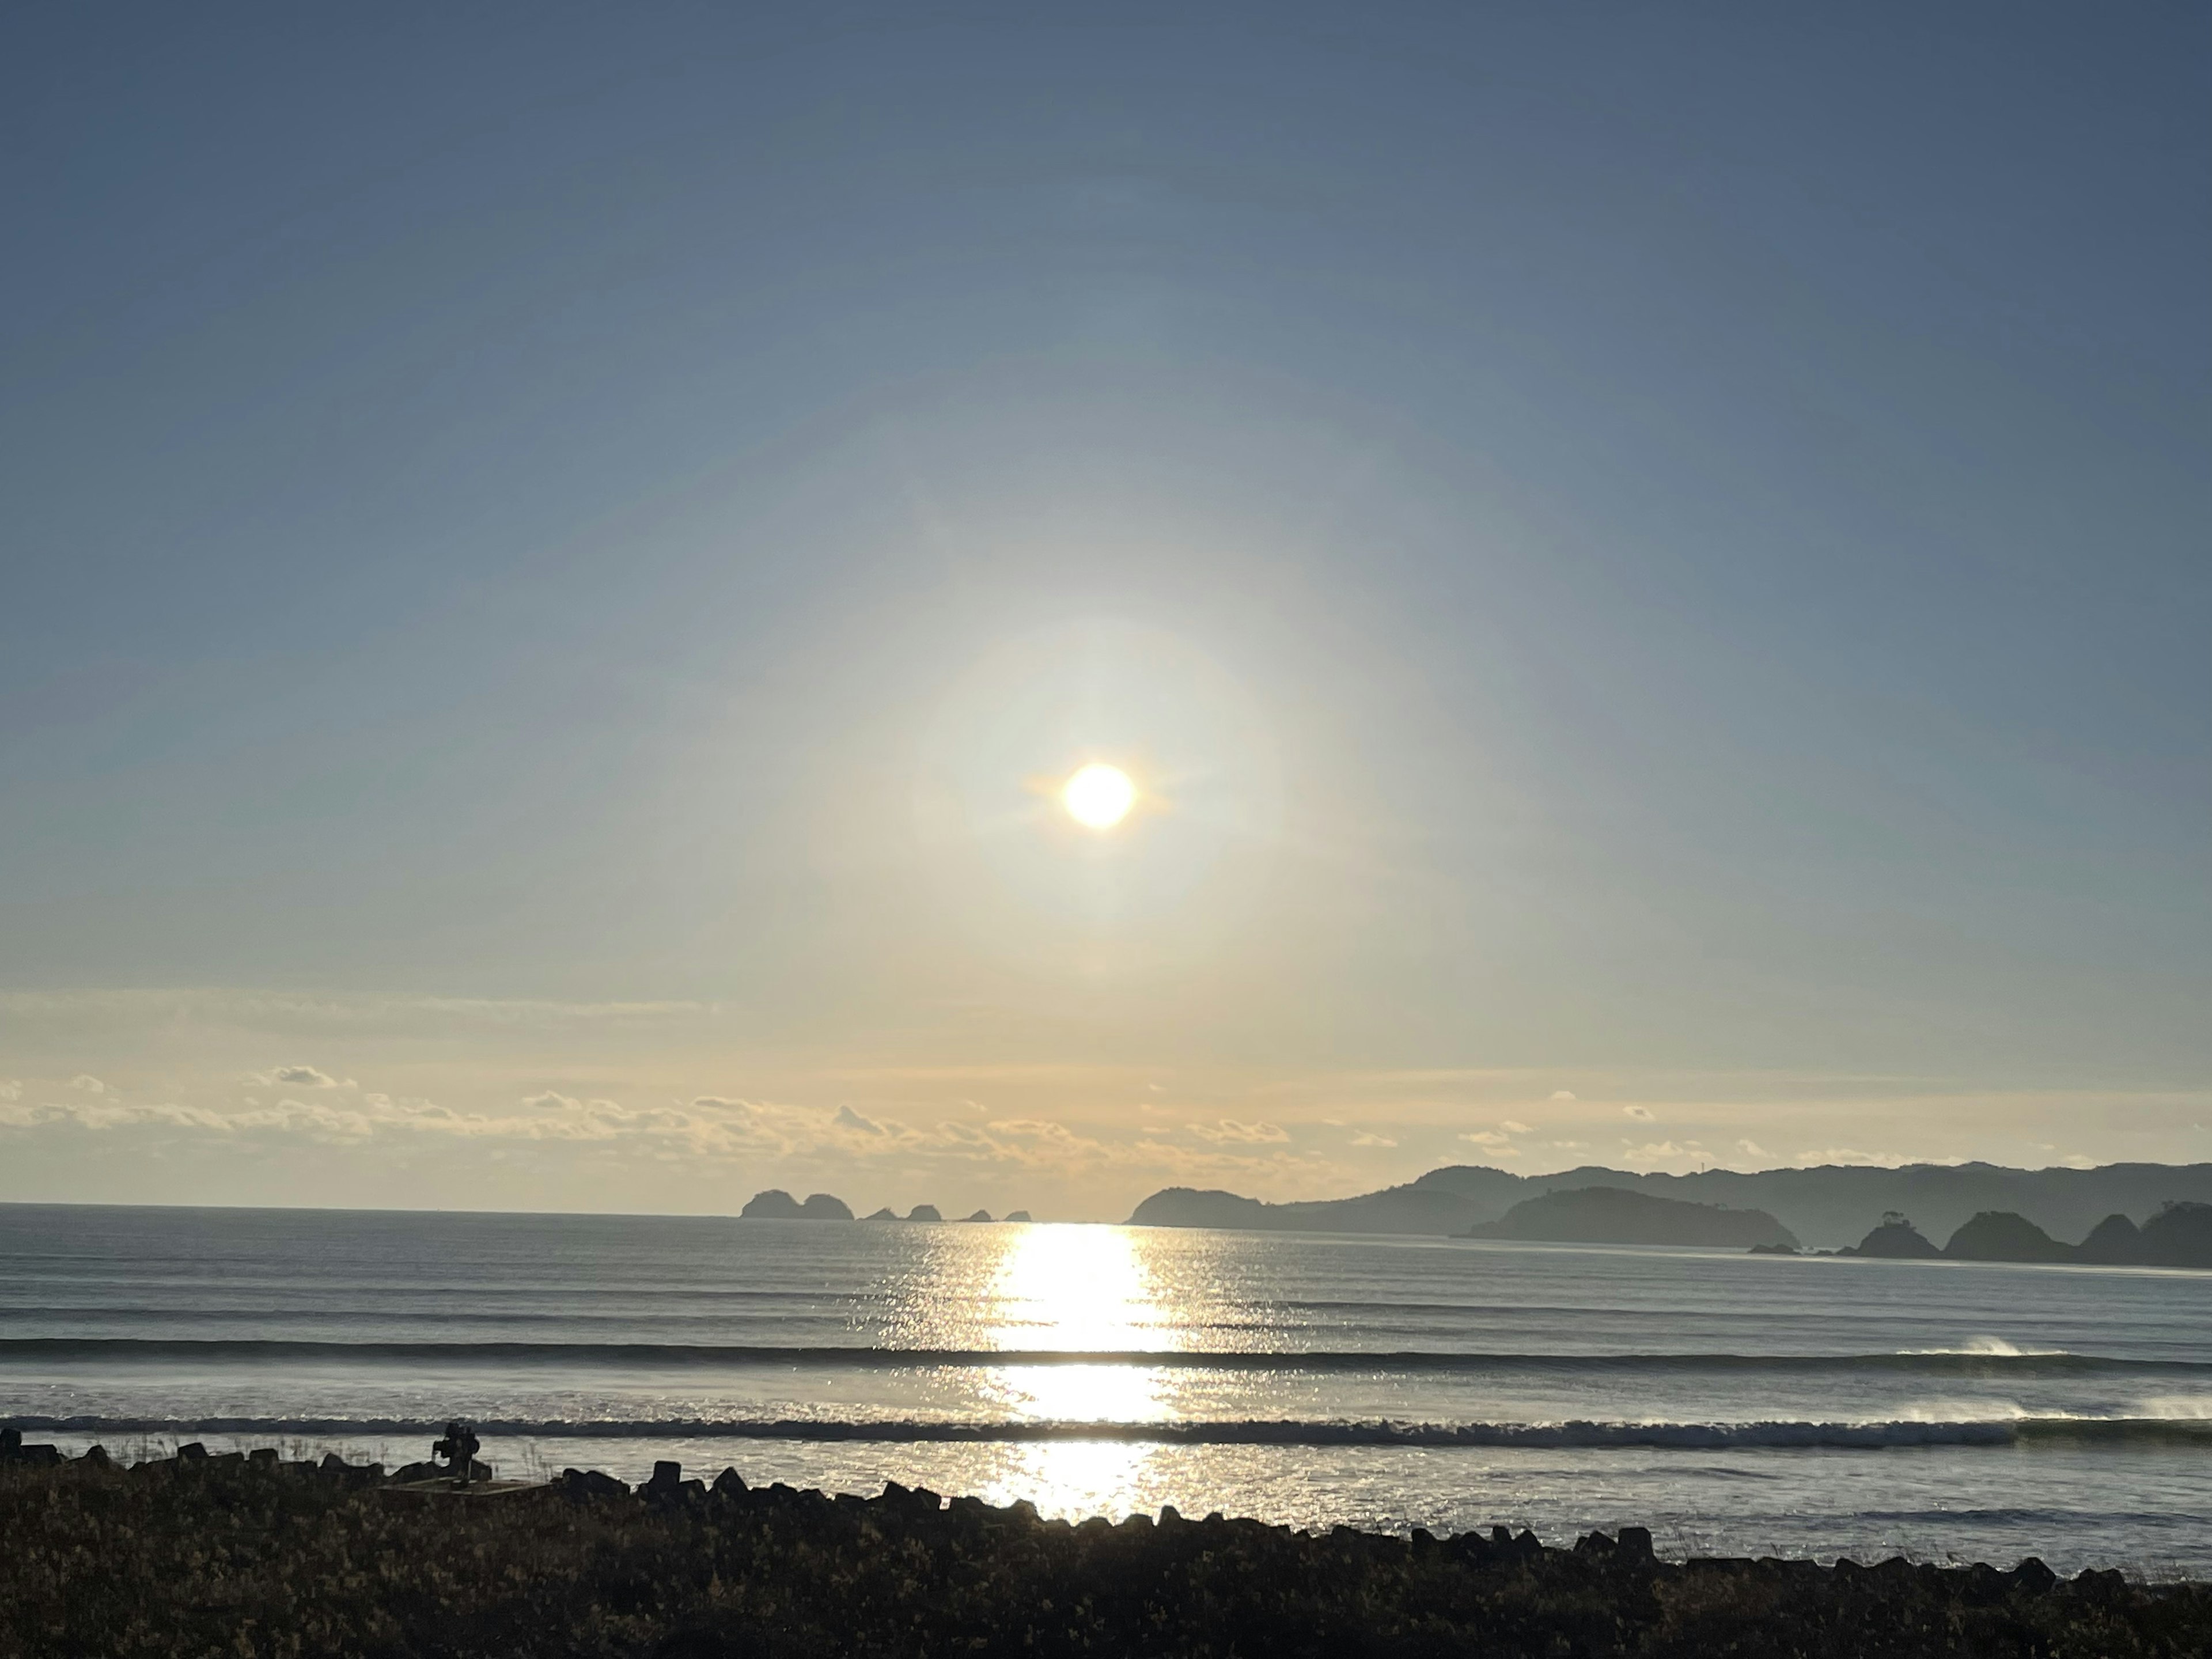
x=1654, y=555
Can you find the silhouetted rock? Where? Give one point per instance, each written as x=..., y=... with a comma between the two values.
x=2179, y=1236
x=884, y=1214
x=1613, y=1215
x=2002, y=1236
x=1895, y=1240
x=13, y=1450
x=980, y=1215
x=924, y=1212
x=581, y=1483
x=1774, y=1249
x=2031, y=1575
x=2114, y=1242
x=1019, y=1215
x=777, y=1205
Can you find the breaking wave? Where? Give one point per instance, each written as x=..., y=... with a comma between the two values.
x=1992, y=1360
x=1691, y=1437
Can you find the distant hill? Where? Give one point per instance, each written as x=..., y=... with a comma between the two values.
x=1827, y=1204
x=2000, y=1235
x=1897, y=1240
x=1613, y=1215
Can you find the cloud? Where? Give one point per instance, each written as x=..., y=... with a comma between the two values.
x=1491, y=1141
x=1565, y=1094
x=1365, y=1138
x=1656, y=1149
x=1752, y=1149
x=1228, y=1131
x=1513, y=1128
x=89, y=1084
x=304, y=1077
x=1641, y=1114
x=761, y=1141
x=10, y=1089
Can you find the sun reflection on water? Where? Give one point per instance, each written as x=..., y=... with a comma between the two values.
x=1080, y=1289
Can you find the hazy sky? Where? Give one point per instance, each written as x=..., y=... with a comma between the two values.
x=1652, y=563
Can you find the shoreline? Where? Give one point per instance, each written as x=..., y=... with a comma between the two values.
x=246, y=1551
x=1528, y=1488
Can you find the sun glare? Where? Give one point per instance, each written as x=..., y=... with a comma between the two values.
x=1099, y=796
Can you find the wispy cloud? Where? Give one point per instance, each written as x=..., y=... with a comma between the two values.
x=1492, y=1140
x=302, y=1077
x=1228, y=1130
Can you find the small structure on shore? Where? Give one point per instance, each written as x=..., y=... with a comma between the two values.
x=458, y=1448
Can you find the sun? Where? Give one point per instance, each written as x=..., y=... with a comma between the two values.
x=1098, y=796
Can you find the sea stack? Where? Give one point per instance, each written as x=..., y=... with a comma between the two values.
x=1896, y=1240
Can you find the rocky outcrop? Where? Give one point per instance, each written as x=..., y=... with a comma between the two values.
x=2179, y=1236
x=1895, y=1240
x=924, y=1212
x=2003, y=1235
x=2114, y=1242
x=777, y=1205
x=1610, y=1215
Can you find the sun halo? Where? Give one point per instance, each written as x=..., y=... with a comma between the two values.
x=1098, y=796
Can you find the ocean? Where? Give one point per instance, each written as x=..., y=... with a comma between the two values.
x=1736, y=1405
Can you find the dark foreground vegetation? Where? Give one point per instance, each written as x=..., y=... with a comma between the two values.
x=230, y=1555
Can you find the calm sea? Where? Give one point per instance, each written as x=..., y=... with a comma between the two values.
x=1736, y=1405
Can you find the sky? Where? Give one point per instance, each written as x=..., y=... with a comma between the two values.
x=1649, y=565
